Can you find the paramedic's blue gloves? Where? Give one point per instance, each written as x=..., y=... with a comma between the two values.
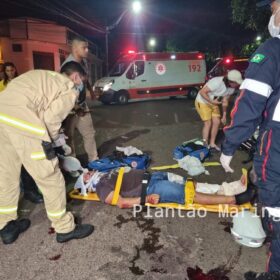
x=225, y=162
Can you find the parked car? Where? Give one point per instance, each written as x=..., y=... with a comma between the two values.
x=225, y=64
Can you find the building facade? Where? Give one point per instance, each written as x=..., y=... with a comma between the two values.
x=38, y=44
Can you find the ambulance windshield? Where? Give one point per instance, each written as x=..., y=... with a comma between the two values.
x=119, y=68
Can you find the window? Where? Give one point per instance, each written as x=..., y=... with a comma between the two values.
x=43, y=60
x=136, y=69
x=119, y=68
x=17, y=47
x=139, y=68
x=130, y=74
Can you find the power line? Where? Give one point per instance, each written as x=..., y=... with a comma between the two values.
x=78, y=15
x=54, y=12
x=60, y=13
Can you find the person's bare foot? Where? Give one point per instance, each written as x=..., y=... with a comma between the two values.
x=152, y=198
x=243, y=180
x=214, y=148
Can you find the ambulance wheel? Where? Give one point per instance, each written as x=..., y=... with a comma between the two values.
x=192, y=93
x=122, y=97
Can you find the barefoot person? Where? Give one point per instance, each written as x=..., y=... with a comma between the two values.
x=207, y=104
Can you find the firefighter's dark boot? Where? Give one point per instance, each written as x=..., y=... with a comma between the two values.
x=13, y=229
x=79, y=232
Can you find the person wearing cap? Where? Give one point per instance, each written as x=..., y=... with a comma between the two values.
x=259, y=105
x=214, y=93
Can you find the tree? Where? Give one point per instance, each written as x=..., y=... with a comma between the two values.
x=245, y=12
x=248, y=49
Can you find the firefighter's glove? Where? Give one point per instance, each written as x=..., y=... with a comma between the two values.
x=64, y=150
x=225, y=161
x=60, y=141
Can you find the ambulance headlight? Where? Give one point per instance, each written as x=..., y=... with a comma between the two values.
x=108, y=86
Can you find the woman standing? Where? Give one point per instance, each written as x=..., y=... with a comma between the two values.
x=214, y=93
x=10, y=72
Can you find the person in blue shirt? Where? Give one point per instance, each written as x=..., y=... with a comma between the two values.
x=259, y=105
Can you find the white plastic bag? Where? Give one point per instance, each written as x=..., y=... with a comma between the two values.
x=192, y=165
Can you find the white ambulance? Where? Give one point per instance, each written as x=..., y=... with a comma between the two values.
x=152, y=75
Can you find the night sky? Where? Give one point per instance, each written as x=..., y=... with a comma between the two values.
x=203, y=25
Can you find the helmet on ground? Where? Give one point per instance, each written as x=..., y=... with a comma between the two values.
x=247, y=229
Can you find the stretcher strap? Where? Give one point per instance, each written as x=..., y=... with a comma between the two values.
x=214, y=163
x=189, y=193
x=158, y=168
x=145, y=183
x=118, y=187
x=174, y=166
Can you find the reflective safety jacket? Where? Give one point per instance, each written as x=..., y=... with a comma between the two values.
x=35, y=103
x=259, y=104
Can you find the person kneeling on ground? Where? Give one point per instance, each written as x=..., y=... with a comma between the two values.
x=163, y=187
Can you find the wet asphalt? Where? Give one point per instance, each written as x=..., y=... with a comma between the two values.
x=151, y=245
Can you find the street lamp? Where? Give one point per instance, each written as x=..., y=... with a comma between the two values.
x=259, y=38
x=152, y=42
x=136, y=8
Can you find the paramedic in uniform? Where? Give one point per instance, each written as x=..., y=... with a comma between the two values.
x=32, y=109
x=259, y=104
x=207, y=104
x=81, y=118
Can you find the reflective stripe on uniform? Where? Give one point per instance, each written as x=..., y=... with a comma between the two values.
x=8, y=210
x=276, y=114
x=38, y=156
x=52, y=73
x=257, y=87
x=56, y=214
x=20, y=124
x=273, y=211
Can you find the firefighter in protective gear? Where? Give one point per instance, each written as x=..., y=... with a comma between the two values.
x=259, y=104
x=32, y=109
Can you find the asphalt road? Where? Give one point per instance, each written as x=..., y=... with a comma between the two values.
x=148, y=246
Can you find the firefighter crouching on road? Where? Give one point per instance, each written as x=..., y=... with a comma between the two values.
x=259, y=104
x=32, y=109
